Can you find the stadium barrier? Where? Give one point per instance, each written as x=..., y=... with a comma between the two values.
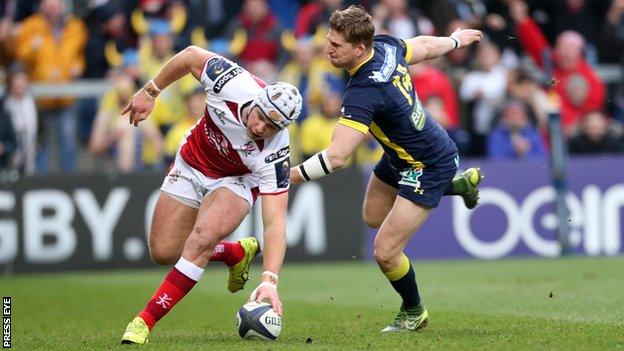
x=516, y=215
x=96, y=221
x=75, y=222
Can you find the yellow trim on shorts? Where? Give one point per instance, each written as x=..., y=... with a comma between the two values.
x=400, y=271
x=360, y=127
x=376, y=131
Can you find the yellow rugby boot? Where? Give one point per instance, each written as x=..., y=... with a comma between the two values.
x=239, y=273
x=136, y=332
x=411, y=319
x=470, y=180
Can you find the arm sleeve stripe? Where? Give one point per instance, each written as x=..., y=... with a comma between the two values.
x=360, y=127
x=320, y=157
x=303, y=173
x=408, y=52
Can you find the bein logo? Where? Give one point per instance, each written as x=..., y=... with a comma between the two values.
x=595, y=223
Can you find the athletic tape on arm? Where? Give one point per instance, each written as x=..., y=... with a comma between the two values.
x=315, y=167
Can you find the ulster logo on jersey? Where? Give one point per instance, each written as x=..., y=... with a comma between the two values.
x=249, y=148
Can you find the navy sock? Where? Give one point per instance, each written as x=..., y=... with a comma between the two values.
x=403, y=280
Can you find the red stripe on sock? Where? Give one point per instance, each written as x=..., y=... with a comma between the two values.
x=228, y=253
x=175, y=286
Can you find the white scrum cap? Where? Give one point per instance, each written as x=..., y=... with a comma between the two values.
x=280, y=102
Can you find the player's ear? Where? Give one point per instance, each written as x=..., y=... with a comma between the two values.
x=361, y=49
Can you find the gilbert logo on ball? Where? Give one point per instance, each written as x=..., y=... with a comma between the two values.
x=258, y=320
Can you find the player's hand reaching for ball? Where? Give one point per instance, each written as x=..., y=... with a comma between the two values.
x=267, y=291
x=466, y=37
x=139, y=107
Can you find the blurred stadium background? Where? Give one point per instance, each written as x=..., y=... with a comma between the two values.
x=539, y=106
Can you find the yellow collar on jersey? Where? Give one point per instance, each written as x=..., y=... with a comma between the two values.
x=355, y=69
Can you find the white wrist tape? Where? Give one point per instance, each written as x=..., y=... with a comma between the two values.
x=455, y=40
x=315, y=167
x=272, y=276
x=155, y=86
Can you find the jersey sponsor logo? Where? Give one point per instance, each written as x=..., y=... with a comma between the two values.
x=216, y=66
x=226, y=78
x=282, y=173
x=285, y=151
x=388, y=66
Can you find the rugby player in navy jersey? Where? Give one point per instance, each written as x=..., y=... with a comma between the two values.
x=420, y=159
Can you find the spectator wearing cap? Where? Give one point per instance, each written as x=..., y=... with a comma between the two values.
x=51, y=45
x=174, y=12
x=153, y=53
x=596, y=136
x=107, y=39
x=515, y=137
x=577, y=84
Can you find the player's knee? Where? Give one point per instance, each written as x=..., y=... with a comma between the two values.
x=163, y=257
x=201, y=239
x=382, y=254
x=371, y=218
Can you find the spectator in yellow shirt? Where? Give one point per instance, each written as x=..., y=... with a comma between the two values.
x=130, y=149
x=50, y=44
x=153, y=53
x=196, y=106
x=316, y=131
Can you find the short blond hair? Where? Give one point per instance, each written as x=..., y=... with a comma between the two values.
x=355, y=24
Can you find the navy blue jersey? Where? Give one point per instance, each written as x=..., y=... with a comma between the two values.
x=380, y=97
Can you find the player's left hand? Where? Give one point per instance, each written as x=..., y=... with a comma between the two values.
x=268, y=291
x=140, y=106
x=467, y=37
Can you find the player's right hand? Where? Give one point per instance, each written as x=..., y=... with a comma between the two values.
x=466, y=37
x=267, y=291
x=140, y=106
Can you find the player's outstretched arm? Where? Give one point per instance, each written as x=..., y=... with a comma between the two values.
x=425, y=47
x=344, y=142
x=189, y=60
x=274, y=208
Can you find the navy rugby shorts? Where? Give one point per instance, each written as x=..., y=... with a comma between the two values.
x=423, y=186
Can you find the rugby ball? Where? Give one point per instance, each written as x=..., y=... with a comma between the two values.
x=258, y=320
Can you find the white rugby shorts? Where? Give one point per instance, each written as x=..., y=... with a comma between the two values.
x=189, y=186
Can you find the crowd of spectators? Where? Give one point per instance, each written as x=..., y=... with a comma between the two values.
x=495, y=99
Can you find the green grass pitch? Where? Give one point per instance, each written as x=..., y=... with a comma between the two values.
x=522, y=304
